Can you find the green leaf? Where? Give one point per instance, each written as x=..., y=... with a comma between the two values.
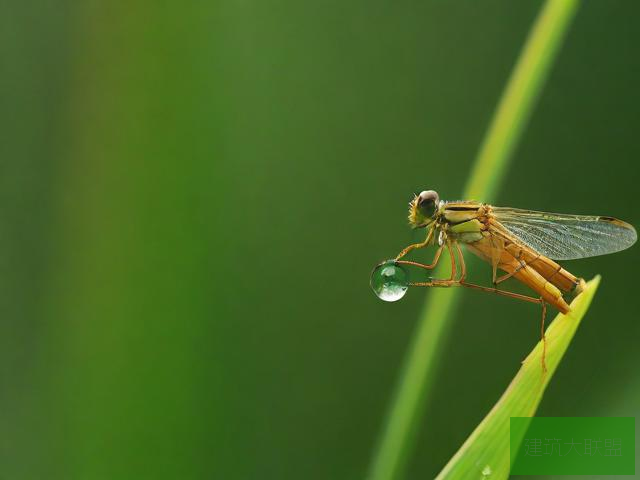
x=485, y=454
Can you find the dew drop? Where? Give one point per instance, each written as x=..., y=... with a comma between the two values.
x=389, y=281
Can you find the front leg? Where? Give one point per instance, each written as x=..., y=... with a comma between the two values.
x=426, y=242
x=441, y=282
x=431, y=266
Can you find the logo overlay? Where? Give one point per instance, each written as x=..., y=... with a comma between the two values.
x=572, y=446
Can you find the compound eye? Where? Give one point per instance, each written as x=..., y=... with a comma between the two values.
x=428, y=203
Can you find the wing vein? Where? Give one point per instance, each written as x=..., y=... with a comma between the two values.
x=566, y=237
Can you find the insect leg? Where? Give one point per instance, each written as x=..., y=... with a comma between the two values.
x=458, y=283
x=417, y=245
x=525, y=298
x=463, y=267
x=496, y=253
x=504, y=293
x=453, y=262
x=435, y=282
x=523, y=264
x=431, y=266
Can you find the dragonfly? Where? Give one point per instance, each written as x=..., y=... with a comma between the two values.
x=521, y=244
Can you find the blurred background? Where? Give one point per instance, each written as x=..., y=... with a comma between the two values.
x=193, y=196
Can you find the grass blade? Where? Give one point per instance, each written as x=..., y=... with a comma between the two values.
x=486, y=451
x=518, y=98
x=505, y=130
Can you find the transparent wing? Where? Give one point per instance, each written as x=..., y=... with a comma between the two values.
x=566, y=237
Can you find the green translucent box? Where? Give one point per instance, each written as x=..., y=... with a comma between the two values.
x=572, y=446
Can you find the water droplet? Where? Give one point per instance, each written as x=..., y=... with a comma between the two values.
x=486, y=472
x=389, y=281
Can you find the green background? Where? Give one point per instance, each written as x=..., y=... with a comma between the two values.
x=193, y=197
